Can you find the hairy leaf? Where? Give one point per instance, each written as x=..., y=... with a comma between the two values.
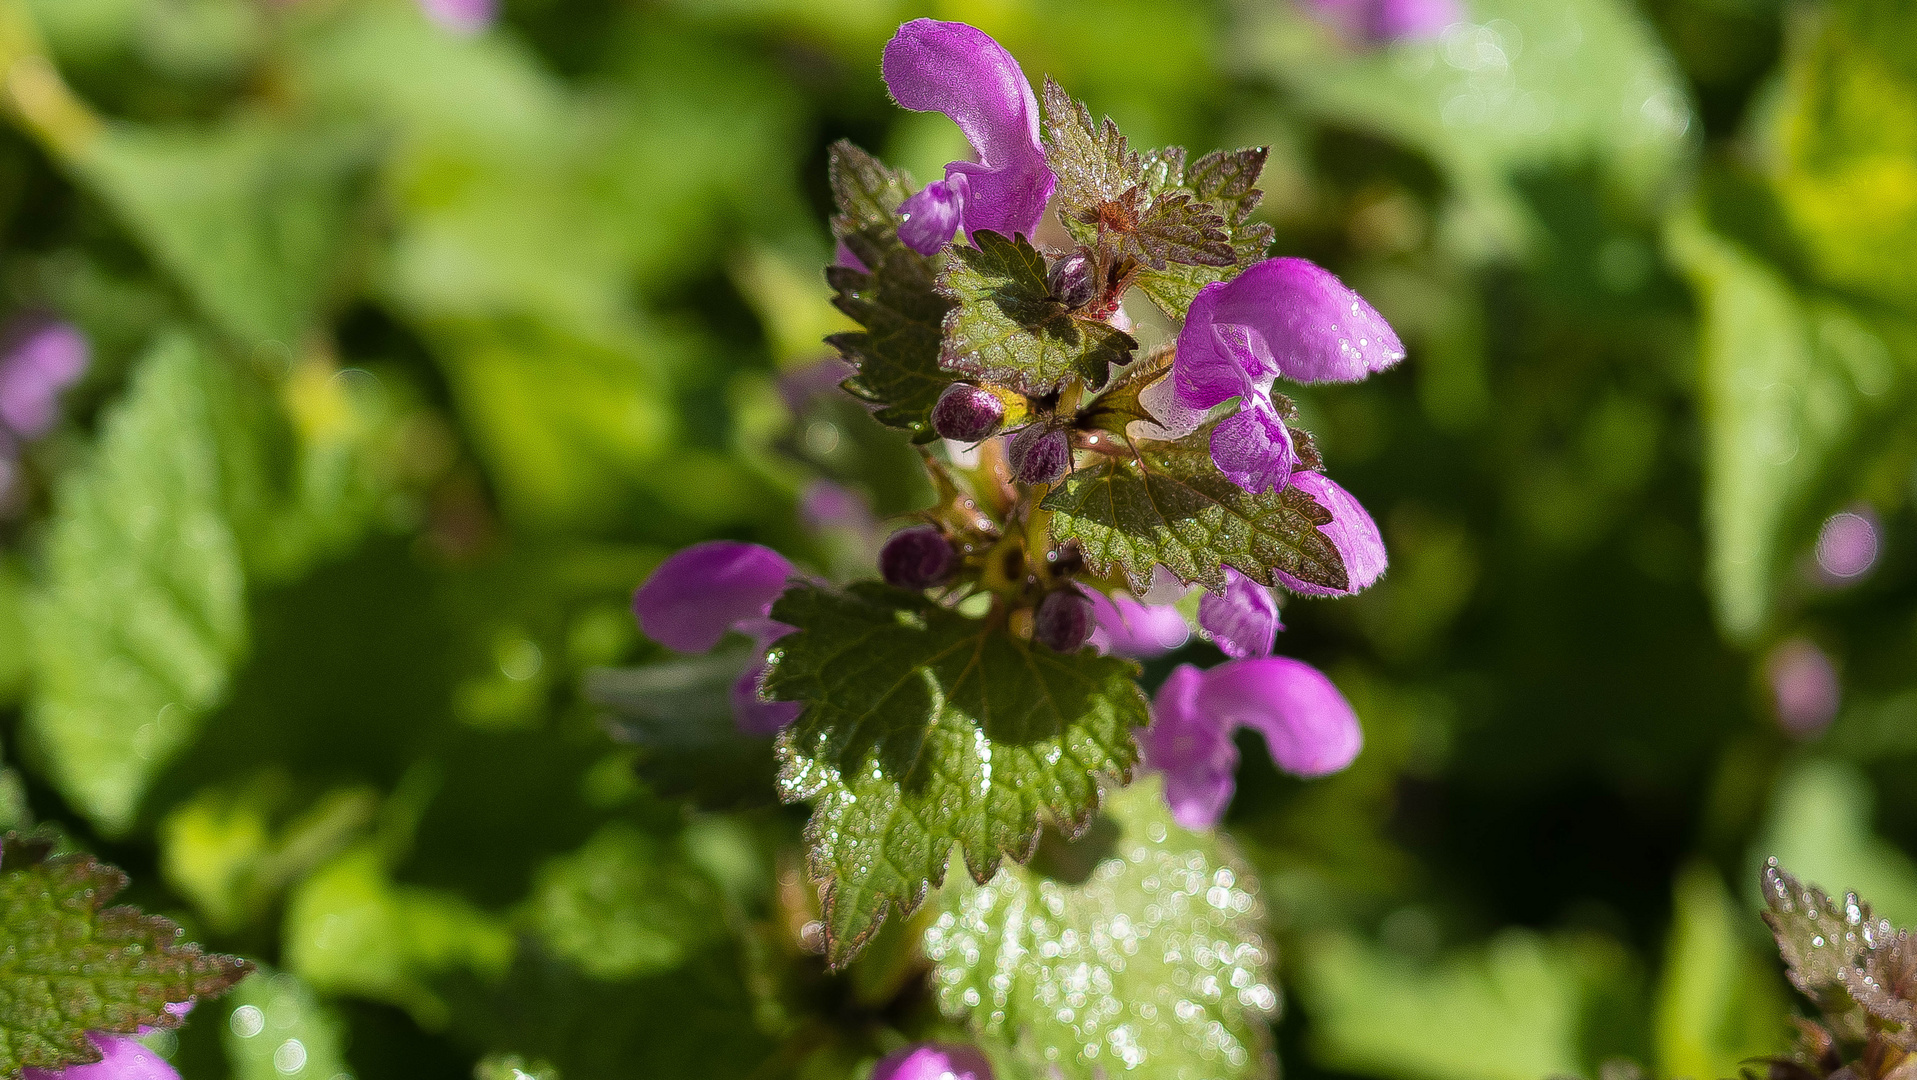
x=1138, y=951
x=923, y=729
x=1095, y=168
x=1227, y=183
x=1171, y=506
x=1174, y=229
x=1821, y=940
x=1008, y=329
x=894, y=298
x=71, y=965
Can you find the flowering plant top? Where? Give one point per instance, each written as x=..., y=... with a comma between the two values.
x=987, y=687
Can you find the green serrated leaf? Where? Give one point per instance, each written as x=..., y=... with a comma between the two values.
x=1171, y=506
x=922, y=729
x=1138, y=951
x=142, y=613
x=72, y=965
x=1226, y=182
x=1094, y=166
x=1174, y=229
x=1007, y=328
x=1821, y=940
x=894, y=299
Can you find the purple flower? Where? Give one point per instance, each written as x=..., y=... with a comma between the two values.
x=1244, y=622
x=1308, y=726
x=1804, y=687
x=700, y=594
x=933, y=1061
x=461, y=16
x=1381, y=21
x=44, y=358
x=958, y=70
x=122, y=1058
x=1352, y=532
x=1124, y=627
x=1283, y=317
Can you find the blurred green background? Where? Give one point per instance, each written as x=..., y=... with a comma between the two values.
x=415, y=350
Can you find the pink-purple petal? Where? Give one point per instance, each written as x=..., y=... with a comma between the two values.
x=1351, y=531
x=753, y=713
x=122, y=1058
x=933, y=1061
x=701, y=593
x=1308, y=725
x=42, y=360
x=461, y=16
x=1193, y=751
x=1244, y=622
x=1125, y=627
x=958, y=70
x=929, y=219
x=1253, y=447
x=1380, y=21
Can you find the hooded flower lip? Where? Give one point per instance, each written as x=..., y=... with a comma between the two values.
x=708, y=590
x=1125, y=627
x=958, y=70
x=1309, y=729
x=1351, y=531
x=933, y=1061
x=1244, y=622
x=1280, y=318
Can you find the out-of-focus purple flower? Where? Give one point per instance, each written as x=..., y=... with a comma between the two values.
x=826, y=505
x=1352, y=532
x=1244, y=622
x=933, y=1061
x=122, y=1058
x=959, y=70
x=1124, y=627
x=42, y=360
x=1847, y=546
x=1804, y=687
x=700, y=594
x=1309, y=728
x=1281, y=317
x=1381, y=21
x=461, y=16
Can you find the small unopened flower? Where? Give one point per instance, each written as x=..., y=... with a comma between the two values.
x=1040, y=454
x=918, y=558
x=1381, y=21
x=1281, y=317
x=933, y=1061
x=1123, y=626
x=1063, y=620
x=959, y=70
x=461, y=16
x=1309, y=728
x=967, y=414
x=699, y=595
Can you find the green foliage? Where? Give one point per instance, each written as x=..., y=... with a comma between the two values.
x=1720, y=1003
x=894, y=299
x=679, y=715
x=1140, y=948
x=923, y=729
x=1225, y=181
x=73, y=965
x=624, y=905
x=1007, y=327
x=1170, y=506
x=275, y=1026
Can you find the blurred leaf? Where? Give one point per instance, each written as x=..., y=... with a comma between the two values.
x=679, y=714
x=1719, y=1004
x=624, y=905
x=276, y=1028
x=1518, y=86
x=923, y=729
x=350, y=929
x=16, y=647
x=1139, y=950
x=1847, y=129
x=222, y=849
x=898, y=351
x=142, y=613
x=1512, y=1010
x=1172, y=507
x=1008, y=328
x=1784, y=382
x=1819, y=827
x=253, y=219
x=73, y=965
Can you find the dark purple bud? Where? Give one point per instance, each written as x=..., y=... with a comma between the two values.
x=917, y=558
x=1063, y=621
x=1040, y=454
x=967, y=413
x=1071, y=281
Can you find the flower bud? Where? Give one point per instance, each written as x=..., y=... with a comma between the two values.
x=917, y=558
x=1040, y=454
x=967, y=413
x=1063, y=621
x=1070, y=280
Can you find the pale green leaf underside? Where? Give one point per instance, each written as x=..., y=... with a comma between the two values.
x=923, y=729
x=1153, y=966
x=1172, y=507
